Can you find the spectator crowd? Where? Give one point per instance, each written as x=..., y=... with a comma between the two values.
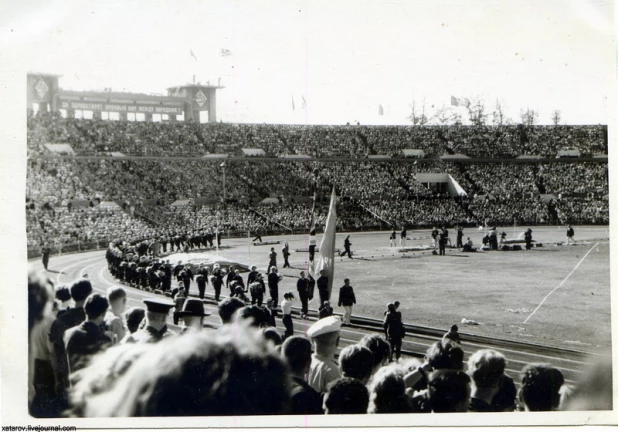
x=90, y=357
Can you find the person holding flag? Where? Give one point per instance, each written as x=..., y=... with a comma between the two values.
x=326, y=263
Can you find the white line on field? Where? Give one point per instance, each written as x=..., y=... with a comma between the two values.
x=561, y=283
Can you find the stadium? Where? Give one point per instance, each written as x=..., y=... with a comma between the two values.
x=499, y=229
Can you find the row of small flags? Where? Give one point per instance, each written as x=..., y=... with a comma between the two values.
x=223, y=53
x=304, y=103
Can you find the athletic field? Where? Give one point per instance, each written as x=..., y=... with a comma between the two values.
x=556, y=295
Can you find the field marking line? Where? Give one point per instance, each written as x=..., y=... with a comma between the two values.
x=75, y=264
x=561, y=283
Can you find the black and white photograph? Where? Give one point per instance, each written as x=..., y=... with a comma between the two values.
x=427, y=182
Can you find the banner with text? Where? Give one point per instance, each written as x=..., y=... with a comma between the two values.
x=116, y=107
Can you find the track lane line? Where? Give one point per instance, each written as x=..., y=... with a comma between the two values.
x=561, y=283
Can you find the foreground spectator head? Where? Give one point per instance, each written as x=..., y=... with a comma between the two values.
x=229, y=373
x=346, y=396
x=486, y=368
x=253, y=315
x=80, y=290
x=63, y=294
x=593, y=391
x=228, y=309
x=271, y=334
x=388, y=393
x=40, y=298
x=449, y=391
x=356, y=361
x=445, y=356
x=379, y=347
x=117, y=298
x=296, y=351
x=95, y=307
x=102, y=373
x=506, y=398
x=325, y=335
x=540, y=387
x=133, y=318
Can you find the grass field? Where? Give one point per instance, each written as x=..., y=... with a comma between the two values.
x=499, y=290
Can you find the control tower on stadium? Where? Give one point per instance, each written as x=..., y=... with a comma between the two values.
x=189, y=102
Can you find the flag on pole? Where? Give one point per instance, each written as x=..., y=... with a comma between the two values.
x=312, y=241
x=225, y=52
x=465, y=102
x=192, y=54
x=293, y=105
x=454, y=101
x=380, y=110
x=327, y=245
x=304, y=102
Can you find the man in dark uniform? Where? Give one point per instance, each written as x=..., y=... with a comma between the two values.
x=252, y=274
x=178, y=268
x=272, y=258
x=231, y=275
x=201, y=279
x=217, y=281
x=404, y=236
x=443, y=240
x=346, y=247
x=302, y=286
x=286, y=255
x=258, y=237
x=528, y=238
x=434, y=235
x=273, y=285
x=156, y=322
x=459, y=237
x=187, y=277
x=45, y=252
x=322, y=283
x=166, y=280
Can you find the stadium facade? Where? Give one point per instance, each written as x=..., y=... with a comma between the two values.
x=197, y=102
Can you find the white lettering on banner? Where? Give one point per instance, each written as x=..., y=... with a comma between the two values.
x=120, y=107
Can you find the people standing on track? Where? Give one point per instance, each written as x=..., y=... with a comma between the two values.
x=322, y=283
x=286, y=255
x=346, y=247
x=286, y=310
x=459, y=237
x=434, y=235
x=443, y=240
x=347, y=299
x=528, y=238
x=569, y=234
x=273, y=285
x=302, y=286
x=217, y=280
x=258, y=237
x=452, y=335
x=202, y=279
x=394, y=330
x=231, y=275
x=393, y=238
x=257, y=290
x=272, y=258
x=45, y=255
x=404, y=236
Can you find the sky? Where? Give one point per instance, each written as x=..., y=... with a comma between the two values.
x=344, y=58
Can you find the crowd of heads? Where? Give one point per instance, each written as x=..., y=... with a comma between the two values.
x=97, y=136
x=244, y=366
x=77, y=201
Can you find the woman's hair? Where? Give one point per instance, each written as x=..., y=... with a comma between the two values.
x=388, y=393
x=228, y=372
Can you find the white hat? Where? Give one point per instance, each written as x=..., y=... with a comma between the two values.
x=325, y=325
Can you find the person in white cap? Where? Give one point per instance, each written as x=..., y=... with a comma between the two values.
x=325, y=337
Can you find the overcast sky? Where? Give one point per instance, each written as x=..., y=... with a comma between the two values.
x=344, y=57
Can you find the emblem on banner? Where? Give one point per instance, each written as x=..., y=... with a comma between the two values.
x=200, y=98
x=41, y=88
